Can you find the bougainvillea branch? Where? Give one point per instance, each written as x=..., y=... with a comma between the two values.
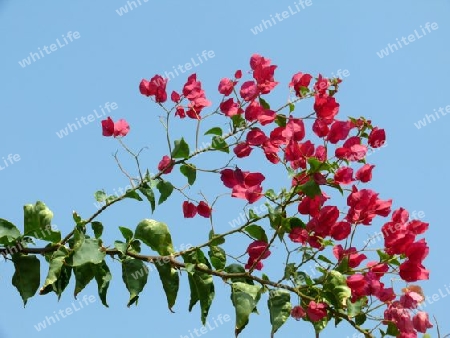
x=349, y=283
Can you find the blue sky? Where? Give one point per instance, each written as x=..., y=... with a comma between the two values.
x=112, y=50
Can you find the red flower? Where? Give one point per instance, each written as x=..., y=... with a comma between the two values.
x=377, y=137
x=316, y=311
x=365, y=205
x=344, y=175
x=339, y=131
x=204, y=209
x=351, y=150
x=364, y=174
x=242, y=149
x=320, y=128
x=175, y=97
x=226, y=86
x=263, y=73
x=230, y=108
x=257, y=250
x=421, y=322
x=299, y=235
x=358, y=284
x=249, y=91
x=120, y=128
x=341, y=230
x=189, y=209
x=238, y=74
x=155, y=87
x=322, y=85
x=245, y=185
x=298, y=81
x=417, y=227
x=255, y=111
x=193, y=91
x=298, y=312
x=326, y=107
x=411, y=271
x=256, y=137
x=166, y=165
x=354, y=258
x=311, y=206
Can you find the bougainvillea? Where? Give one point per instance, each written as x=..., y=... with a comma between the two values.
x=324, y=157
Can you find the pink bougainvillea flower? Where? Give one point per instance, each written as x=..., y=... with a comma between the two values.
x=364, y=174
x=175, y=97
x=230, y=108
x=322, y=85
x=155, y=87
x=189, y=209
x=298, y=312
x=257, y=250
x=316, y=311
x=245, y=185
x=226, y=86
x=249, y=91
x=344, y=175
x=204, y=209
x=351, y=150
x=108, y=127
x=193, y=91
x=339, y=131
x=242, y=149
x=119, y=128
x=326, y=107
x=263, y=73
x=377, y=137
x=166, y=165
x=298, y=81
x=421, y=322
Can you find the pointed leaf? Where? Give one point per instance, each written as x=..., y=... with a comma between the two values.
x=256, y=232
x=244, y=298
x=131, y=193
x=190, y=172
x=100, y=196
x=217, y=257
x=126, y=233
x=165, y=189
x=134, y=282
x=170, y=280
x=181, y=149
x=26, y=276
x=280, y=308
x=218, y=143
x=214, y=131
x=56, y=264
x=97, y=227
x=102, y=277
x=156, y=235
x=83, y=276
x=147, y=191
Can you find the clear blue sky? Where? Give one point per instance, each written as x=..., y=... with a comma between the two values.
x=114, y=52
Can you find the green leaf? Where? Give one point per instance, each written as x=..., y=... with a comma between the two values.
x=181, y=149
x=392, y=330
x=311, y=188
x=324, y=259
x=102, y=277
x=200, y=283
x=337, y=284
x=280, y=120
x=121, y=247
x=165, y=189
x=244, y=298
x=77, y=219
x=83, y=276
x=37, y=223
x=126, y=233
x=263, y=103
x=236, y=268
x=360, y=319
x=214, y=131
x=218, y=241
x=134, y=282
x=256, y=232
x=354, y=309
x=26, y=276
x=280, y=308
x=147, y=191
x=8, y=232
x=90, y=251
x=291, y=107
x=218, y=143
x=238, y=121
x=156, y=235
x=131, y=193
x=57, y=273
x=100, y=196
x=190, y=172
x=170, y=281
x=217, y=257
x=97, y=227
